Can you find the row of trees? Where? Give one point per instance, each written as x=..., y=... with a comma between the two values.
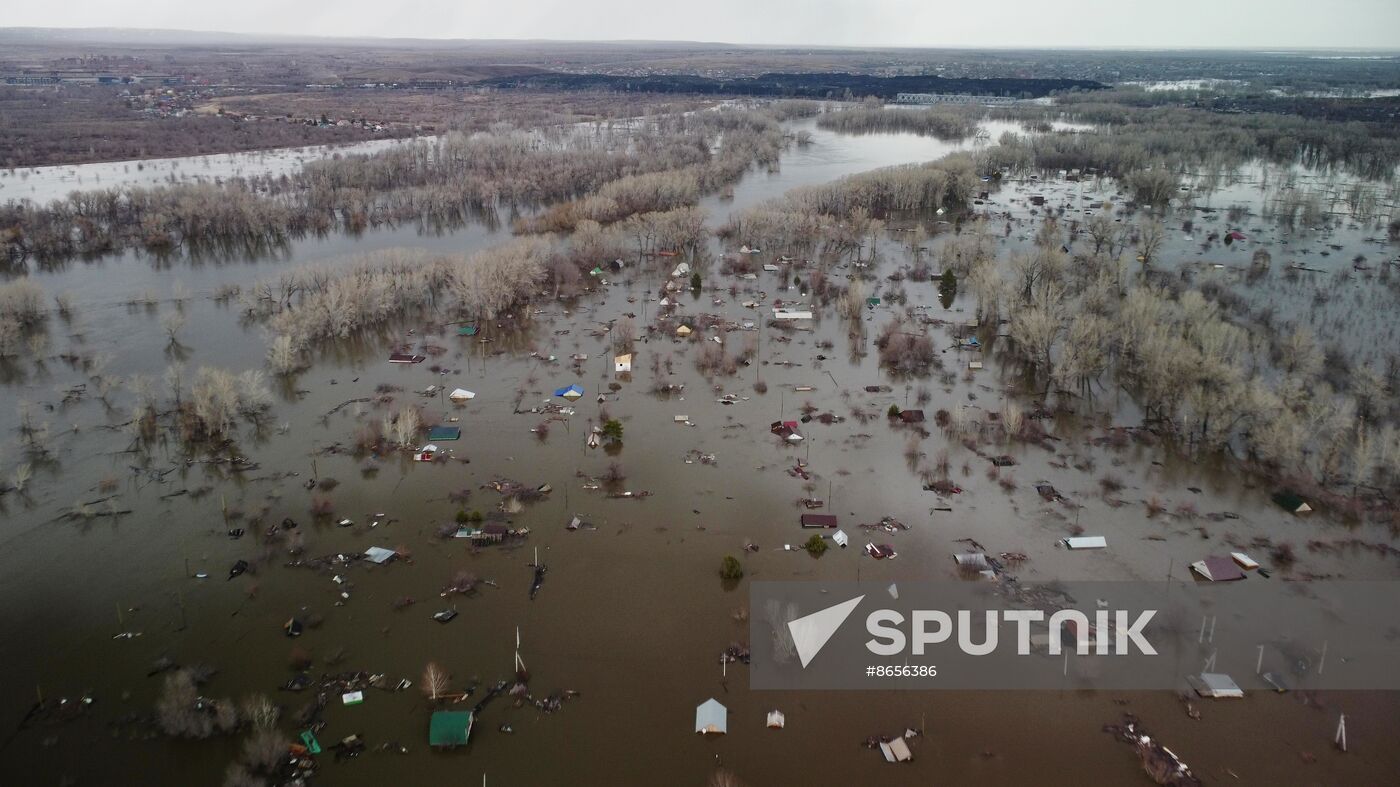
x=872, y=117
x=660, y=165
x=1147, y=148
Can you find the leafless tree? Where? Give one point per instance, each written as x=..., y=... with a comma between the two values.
x=435, y=680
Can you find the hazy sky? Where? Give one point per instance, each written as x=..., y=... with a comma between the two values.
x=1095, y=23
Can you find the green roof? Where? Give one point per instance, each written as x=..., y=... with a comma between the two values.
x=445, y=433
x=466, y=330
x=450, y=728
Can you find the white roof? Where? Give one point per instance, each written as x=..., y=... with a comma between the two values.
x=896, y=751
x=791, y=314
x=1245, y=561
x=428, y=447
x=461, y=393
x=776, y=719
x=379, y=554
x=1215, y=684
x=1085, y=542
x=840, y=538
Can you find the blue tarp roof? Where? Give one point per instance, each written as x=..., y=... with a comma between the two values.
x=710, y=716
x=575, y=388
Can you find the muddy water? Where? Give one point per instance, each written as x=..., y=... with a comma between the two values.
x=632, y=614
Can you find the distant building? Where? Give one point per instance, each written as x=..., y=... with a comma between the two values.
x=951, y=98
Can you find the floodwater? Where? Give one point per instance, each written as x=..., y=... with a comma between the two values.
x=632, y=614
x=44, y=184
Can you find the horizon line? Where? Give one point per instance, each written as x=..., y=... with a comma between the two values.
x=1259, y=49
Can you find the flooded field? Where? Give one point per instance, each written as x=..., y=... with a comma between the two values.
x=42, y=184
x=632, y=613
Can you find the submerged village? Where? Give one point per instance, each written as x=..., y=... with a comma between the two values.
x=452, y=458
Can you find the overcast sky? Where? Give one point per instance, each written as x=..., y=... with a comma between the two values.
x=1096, y=23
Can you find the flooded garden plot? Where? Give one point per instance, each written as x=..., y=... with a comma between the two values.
x=218, y=484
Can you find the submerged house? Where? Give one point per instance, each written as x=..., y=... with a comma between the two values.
x=450, y=728
x=711, y=717
x=791, y=313
x=445, y=433
x=622, y=363
x=786, y=430
x=1218, y=569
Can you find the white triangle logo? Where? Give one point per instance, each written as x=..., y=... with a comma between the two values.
x=811, y=632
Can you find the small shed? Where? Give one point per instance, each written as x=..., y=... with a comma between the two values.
x=683, y=331
x=911, y=416
x=405, y=358
x=818, y=520
x=450, y=728
x=426, y=453
x=466, y=330
x=379, y=555
x=1215, y=685
x=622, y=363
x=461, y=395
x=711, y=717
x=776, y=720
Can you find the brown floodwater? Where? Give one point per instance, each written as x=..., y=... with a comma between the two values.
x=632, y=614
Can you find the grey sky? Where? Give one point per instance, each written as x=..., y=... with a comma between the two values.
x=1007, y=23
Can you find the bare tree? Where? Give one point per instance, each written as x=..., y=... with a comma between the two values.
x=172, y=324
x=435, y=680
x=1151, y=236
